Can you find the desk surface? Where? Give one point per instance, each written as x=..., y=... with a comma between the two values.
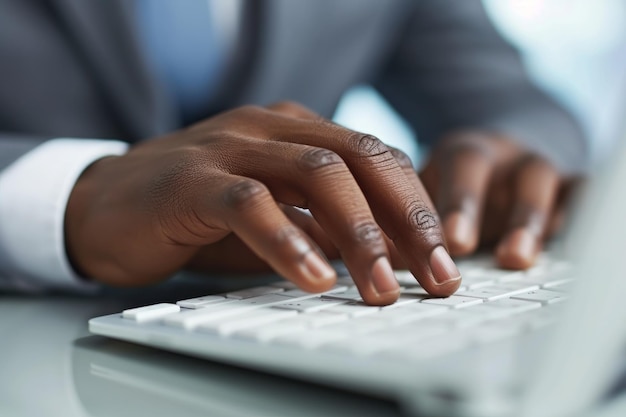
x=51, y=366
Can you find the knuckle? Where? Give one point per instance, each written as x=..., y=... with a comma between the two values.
x=402, y=158
x=314, y=159
x=248, y=110
x=244, y=193
x=367, y=146
x=367, y=233
x=288, y=105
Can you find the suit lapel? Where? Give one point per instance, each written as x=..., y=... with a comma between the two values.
x=102, y=33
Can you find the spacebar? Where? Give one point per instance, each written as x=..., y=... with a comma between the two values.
x=193, y=318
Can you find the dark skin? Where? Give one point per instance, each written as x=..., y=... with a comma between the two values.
x=220, y=195
x=475, y=176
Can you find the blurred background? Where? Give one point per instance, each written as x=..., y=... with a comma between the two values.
x=573, y=49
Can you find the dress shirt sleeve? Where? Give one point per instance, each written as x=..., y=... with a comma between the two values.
x=34, y=191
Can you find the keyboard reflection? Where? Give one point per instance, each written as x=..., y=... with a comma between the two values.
x=122, y=379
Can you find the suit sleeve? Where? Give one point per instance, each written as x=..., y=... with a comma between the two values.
x=451, y=70
x=36, y=179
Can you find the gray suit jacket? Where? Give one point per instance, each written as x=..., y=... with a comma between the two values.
x=74, y=68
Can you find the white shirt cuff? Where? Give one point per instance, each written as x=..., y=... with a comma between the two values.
x=34, y=192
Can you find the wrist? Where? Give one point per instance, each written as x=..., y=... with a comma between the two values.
x=78, y=235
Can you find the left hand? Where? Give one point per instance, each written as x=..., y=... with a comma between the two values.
x=490, y=191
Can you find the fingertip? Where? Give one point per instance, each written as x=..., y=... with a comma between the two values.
x=446, y=277
x=444, y=290
x=460, y=234
x=316, y=274
x=384, y=299
x=387, y=289
x=443, y=268
x=518, y=250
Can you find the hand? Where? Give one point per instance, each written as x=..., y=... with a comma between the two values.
x=176, y=201
x=489, y=190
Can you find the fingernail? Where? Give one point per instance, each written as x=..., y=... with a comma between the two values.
x=458, y=228
x=521, y=243
x=317, y=268
x=443, y=267
x=383, y=277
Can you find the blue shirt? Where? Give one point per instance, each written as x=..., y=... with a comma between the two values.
x=186, y=49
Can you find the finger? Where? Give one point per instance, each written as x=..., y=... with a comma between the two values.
x=229, y=255
x=318, y=179
x=232, y=255
x=246, y=207
x=311, y=227
x=404, y=214
x=465, y=168
x=298, y=111
x=561, y=210
x=406, y=165
x=536, y=189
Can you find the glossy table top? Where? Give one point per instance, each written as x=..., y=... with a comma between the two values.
x=51, y=366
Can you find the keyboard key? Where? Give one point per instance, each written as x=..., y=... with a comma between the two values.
x=406, y=279
x=511, y=276
x=495, y=292
x=361, y=325
x=492, y=274
x=461, y=318
x=311, y=339
x=558, y=283
x=253, y=292
x=191, y=319
x=513, y=305
x=311, y=305
x=471, y=283
x=321, y=319
x=402, y=301
x=285, y=285
x=270, y=331
x=410, y=313
x=542, y=296
x=254, y=318
x=351, y=294
x=353, y=309
x=345, y=281
x=148, y=313
x=303, y=294
x=200, y=302
x=416, y=292
x=563, y=289
x=453, y=301
x=269, y=300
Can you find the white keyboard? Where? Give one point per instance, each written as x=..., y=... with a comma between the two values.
x=491, y=305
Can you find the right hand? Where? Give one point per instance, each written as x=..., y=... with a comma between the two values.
x=138, y=218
